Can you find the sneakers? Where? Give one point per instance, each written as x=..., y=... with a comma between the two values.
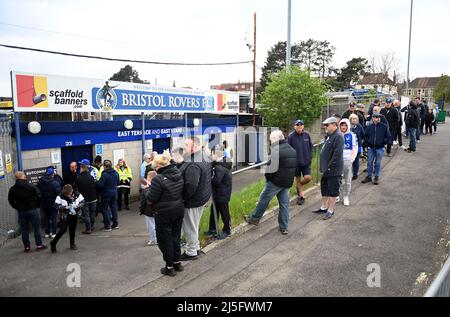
x=115, y=227
x=168, y=271
x=300, y=200
x=177, y=266
x=211, y=233
x=47, y=235
x=346, y=201
x=375, y=181
x=320, y=211
x=87, y=232
x=27, y=249
x=410, y=151
x=73, y=247
x=284, y=231
x=107, y=229
x=53, y=235
x=250, y=220
x=41, y=247
x=152, y=242
x=389, y=155
x=395, y=142
x=185, y=257
x=338, y=199
x=354, y=177
x=223, y=235
x=328, y=215
x=366, y=180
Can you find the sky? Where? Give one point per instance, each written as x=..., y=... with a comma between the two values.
x=206, y=31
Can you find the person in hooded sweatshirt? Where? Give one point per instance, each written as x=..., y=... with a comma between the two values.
x=108, y=195
x=166, y=193
x=49, y=188
x=349, y=155
x=359, y=131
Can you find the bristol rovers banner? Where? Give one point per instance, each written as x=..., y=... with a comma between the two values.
x=48, y=93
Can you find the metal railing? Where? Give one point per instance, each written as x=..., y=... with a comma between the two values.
x=441, y=284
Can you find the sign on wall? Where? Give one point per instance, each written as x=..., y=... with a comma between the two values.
x=118, y=154
x=2, y=169
x=34, y=174
x=8, y=162
x=99, y=150
x=48, y=93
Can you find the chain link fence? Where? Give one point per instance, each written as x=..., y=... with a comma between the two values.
x=8, y=216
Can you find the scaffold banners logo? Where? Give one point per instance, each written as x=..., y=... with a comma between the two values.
x=32, y=91
x=49, y=93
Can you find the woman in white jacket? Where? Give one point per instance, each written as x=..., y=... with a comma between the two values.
x=350, y=153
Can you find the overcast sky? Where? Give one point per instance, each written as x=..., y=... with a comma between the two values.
x=212, y=31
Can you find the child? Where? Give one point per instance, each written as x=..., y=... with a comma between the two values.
x=68, y=204
x=429, y=121
x=350, y=153
x=149, y=211
x=221, y=187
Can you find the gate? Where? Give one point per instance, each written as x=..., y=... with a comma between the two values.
x=8, y=216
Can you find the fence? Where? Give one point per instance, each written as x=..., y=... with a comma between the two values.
x=8, y=216
x=441, y=285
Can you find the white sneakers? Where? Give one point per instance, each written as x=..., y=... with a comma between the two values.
x=47, y=235
x=152, y=242
x=346, y=201
x=395, y=142
x=53, y=235
x=338, y=199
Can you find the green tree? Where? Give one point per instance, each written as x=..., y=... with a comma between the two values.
x=352, y=71
x=292, y=95
x=128, y=74
x=442, y=90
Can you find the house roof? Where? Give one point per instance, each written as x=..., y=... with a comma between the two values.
x=376, y=79
x=424, y=82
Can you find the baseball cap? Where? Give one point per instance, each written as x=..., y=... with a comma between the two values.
x=330, y=120
x=376, y=115
x=298, y=122
x=85, y=162
x=50, y=171
x=389, y=100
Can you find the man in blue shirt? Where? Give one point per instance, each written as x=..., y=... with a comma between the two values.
x=301, y=142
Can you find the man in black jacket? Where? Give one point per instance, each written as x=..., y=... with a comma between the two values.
x=331, y=167
x=197, y=172
x=50, y=189
x=412, y=121
x=391, y=114
x=86, y=187
x=25, y=198
x=221, y=189
x=279, y=174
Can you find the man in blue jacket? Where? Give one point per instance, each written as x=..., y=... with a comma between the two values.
x=302, y=144
x=377, y=135
x=108, y=192
x=50, y=189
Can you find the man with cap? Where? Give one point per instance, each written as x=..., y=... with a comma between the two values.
x=301, y=142
x=49, y=188
x=331, y=167
x=377, y=135
x=391, y=114
x=86, y=187
x=352, y=110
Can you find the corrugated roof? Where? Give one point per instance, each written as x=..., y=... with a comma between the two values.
x=424, y=82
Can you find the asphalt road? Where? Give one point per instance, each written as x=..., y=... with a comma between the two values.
x=402, y=225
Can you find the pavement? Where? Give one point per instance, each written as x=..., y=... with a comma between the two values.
x=401, y=226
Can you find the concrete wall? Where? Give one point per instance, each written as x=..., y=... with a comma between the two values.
x=40, y=158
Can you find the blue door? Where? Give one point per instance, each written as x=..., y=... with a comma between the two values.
x=75, y=153
x=159, y=145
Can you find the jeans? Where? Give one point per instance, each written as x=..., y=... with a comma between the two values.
x=356, y=165
x=89, y=212
x=377, y=156
x=269, y=191
x=51, y=225
x=109, y=206
x=151, y=228
x=33, y=216
x=418, y=133
x=412, y=139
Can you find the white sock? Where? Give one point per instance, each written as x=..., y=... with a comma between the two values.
x=323, y=207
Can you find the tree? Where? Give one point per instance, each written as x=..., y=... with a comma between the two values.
x=386, y=64
x=128, y=74
x=442, y=90
x=352, y=71
x=292, y=95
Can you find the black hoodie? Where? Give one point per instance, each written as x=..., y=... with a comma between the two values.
x=23, y=196
x=166, y=191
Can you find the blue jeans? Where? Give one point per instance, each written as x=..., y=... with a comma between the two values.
x=412, y=139
x=89, y=211
x=269, y=191
x=51, y=225
x=109, y=206
x=33, y=216
x=418, y=133
x=377, y=156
